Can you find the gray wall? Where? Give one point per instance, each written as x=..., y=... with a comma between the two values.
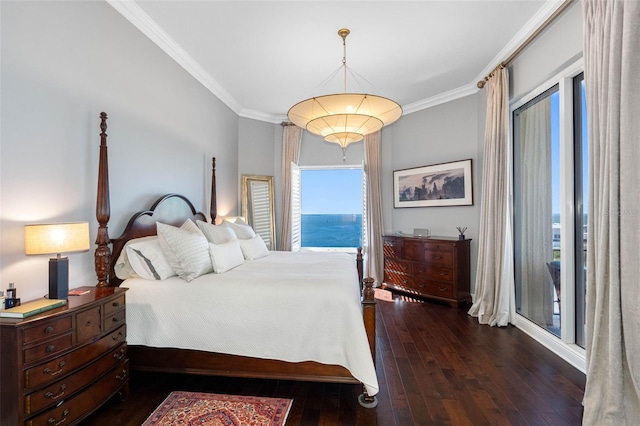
x=440, y=134
x=62, y=64
x=555, y=48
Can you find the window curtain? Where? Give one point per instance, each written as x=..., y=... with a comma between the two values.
x=291, y=139
x=612, y=70
x=536, y=246
x=494, y=296
x=373, y=208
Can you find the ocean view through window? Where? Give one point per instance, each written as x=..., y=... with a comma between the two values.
x=331, y=204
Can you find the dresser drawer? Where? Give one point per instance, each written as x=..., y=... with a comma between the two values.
x=392, y=247
x=115, y=320
x=399, y=280
x=88, y=324
x=77, y=407
x=113, y=305
x=441, y=258
x=438, y=273
x=55, y=393
x=62, y=366
x=48, y=348
x=397, y=266
x=412, y=250
x=433, y=246
x=439, y=289
x=46, y=329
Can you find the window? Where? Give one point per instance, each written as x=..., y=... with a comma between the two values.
x=550, y=179
x=330, y=206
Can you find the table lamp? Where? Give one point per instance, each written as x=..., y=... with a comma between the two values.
x=57, y=239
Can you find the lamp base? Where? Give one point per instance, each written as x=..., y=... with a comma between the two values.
x=58, y=278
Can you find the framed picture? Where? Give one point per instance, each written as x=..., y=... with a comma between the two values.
x=446, y=184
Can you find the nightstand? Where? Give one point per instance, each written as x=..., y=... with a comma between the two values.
x=59, y=366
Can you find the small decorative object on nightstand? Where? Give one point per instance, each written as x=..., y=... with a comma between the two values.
x=461, y=231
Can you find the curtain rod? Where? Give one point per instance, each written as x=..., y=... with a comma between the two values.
x=286, y=123
x=524, y=44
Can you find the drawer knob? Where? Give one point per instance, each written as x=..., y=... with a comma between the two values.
x=88, y=324
x=117, y=336
x=51, y=396
x=120, y=355
x=53, y=421
x=114, y=319
x=50, y=348
x=443, y=273
x=437, y=257
x=123, y=376
x=115, y=304
x=48, y=330
x=442, y=288
x=53, y=373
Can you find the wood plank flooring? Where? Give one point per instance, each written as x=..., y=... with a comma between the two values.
x=436, y=366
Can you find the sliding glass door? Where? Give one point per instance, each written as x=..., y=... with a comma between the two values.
x=550, y=186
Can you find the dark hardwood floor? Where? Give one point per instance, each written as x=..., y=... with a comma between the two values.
x=436, y=366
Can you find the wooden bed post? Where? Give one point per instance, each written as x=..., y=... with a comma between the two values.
x=103, y=209
x=369, y=316
x=360, y=268
x=213, y=210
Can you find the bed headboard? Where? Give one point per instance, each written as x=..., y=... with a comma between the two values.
x=172, y=209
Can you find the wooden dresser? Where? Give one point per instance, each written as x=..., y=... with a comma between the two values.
x=59, y=366
x=434, y=268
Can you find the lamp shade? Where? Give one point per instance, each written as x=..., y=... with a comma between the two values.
x=56, y=238
x=344, y=118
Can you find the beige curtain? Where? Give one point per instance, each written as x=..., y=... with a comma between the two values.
x=373, y=208
x=494, y=296
x=291, y=139
x=612, y=79
x=536, y=245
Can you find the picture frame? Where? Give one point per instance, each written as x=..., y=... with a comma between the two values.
x=436, y=185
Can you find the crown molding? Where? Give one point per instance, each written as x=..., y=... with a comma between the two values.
x=451, y=95
x=143, y=22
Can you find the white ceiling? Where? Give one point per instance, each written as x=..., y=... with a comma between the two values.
x=261, y=57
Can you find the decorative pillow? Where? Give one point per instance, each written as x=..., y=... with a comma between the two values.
x=148, y=261
x=123, y=267
x=186, y=251
x=226, y=256
x=254, y=248
x=216, y=234
x=243, y=232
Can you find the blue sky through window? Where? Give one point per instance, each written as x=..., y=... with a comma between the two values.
x=331, y=191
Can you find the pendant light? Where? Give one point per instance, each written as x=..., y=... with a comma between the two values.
x=344, y=118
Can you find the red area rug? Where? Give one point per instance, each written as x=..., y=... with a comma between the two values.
x=195, y=408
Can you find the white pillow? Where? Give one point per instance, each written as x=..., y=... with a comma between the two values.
x=123, y=268
x=254, y=248
x=216, y=234
x=243, y=232
x=189, y=250
x=148, y=261
x=225, y=256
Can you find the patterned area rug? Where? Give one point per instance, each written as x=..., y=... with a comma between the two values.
x=195, y=408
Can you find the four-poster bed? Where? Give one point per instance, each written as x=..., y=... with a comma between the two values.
x=174, y=209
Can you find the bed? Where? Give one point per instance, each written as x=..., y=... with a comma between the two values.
x=267, y=318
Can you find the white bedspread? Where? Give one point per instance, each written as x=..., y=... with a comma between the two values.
x=294, y=307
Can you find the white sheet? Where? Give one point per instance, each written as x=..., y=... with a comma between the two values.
x=294, y=307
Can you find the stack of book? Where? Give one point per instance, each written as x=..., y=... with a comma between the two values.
x=32, y=308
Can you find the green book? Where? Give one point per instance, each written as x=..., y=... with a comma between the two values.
x=31, y=308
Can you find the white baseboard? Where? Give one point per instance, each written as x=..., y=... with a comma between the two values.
x=573, y=354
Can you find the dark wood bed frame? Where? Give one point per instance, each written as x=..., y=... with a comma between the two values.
x=172, y=360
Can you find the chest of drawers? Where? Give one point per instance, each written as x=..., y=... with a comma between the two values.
x=59, y=366
x=433, y=268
